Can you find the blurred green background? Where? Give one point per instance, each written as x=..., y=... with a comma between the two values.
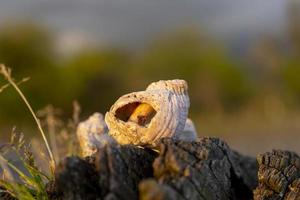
x=243, y=74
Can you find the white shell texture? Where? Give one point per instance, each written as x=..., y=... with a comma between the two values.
x=92, y=134
x=189, y=132
x=168, y=98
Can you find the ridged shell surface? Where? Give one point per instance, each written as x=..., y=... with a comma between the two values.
x=170, y=101
x=92, y=134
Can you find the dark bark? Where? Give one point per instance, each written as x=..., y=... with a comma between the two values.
x=279, y=176
x=114, y=173
x=206, y=169
x=76, y=179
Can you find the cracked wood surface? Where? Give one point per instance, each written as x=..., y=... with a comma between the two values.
x=279, y=176
x=205, y=169
x=113, y=173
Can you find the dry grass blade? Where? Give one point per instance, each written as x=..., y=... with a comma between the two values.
x=20, y=82
x=48, y=115
x=6, y=72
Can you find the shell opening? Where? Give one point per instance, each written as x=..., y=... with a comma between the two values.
x=138, y=112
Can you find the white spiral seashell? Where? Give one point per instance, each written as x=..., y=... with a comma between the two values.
x=92, y=134
x=168, y=102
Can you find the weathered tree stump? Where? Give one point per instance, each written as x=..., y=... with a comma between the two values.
x=206, y=169
x=279, y=176
x=113, y=173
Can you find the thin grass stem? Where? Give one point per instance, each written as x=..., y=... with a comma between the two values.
x=7, y=74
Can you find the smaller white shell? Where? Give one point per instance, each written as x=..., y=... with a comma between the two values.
x=170, y=101
x=92, y=134
x=189, y=132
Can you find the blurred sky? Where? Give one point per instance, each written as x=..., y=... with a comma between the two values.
x=131, y=23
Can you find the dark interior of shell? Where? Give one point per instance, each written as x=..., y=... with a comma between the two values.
x=137, y=112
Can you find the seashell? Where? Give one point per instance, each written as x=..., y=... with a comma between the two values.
x=189, y=132
x=92, y=134
x=147, y=116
